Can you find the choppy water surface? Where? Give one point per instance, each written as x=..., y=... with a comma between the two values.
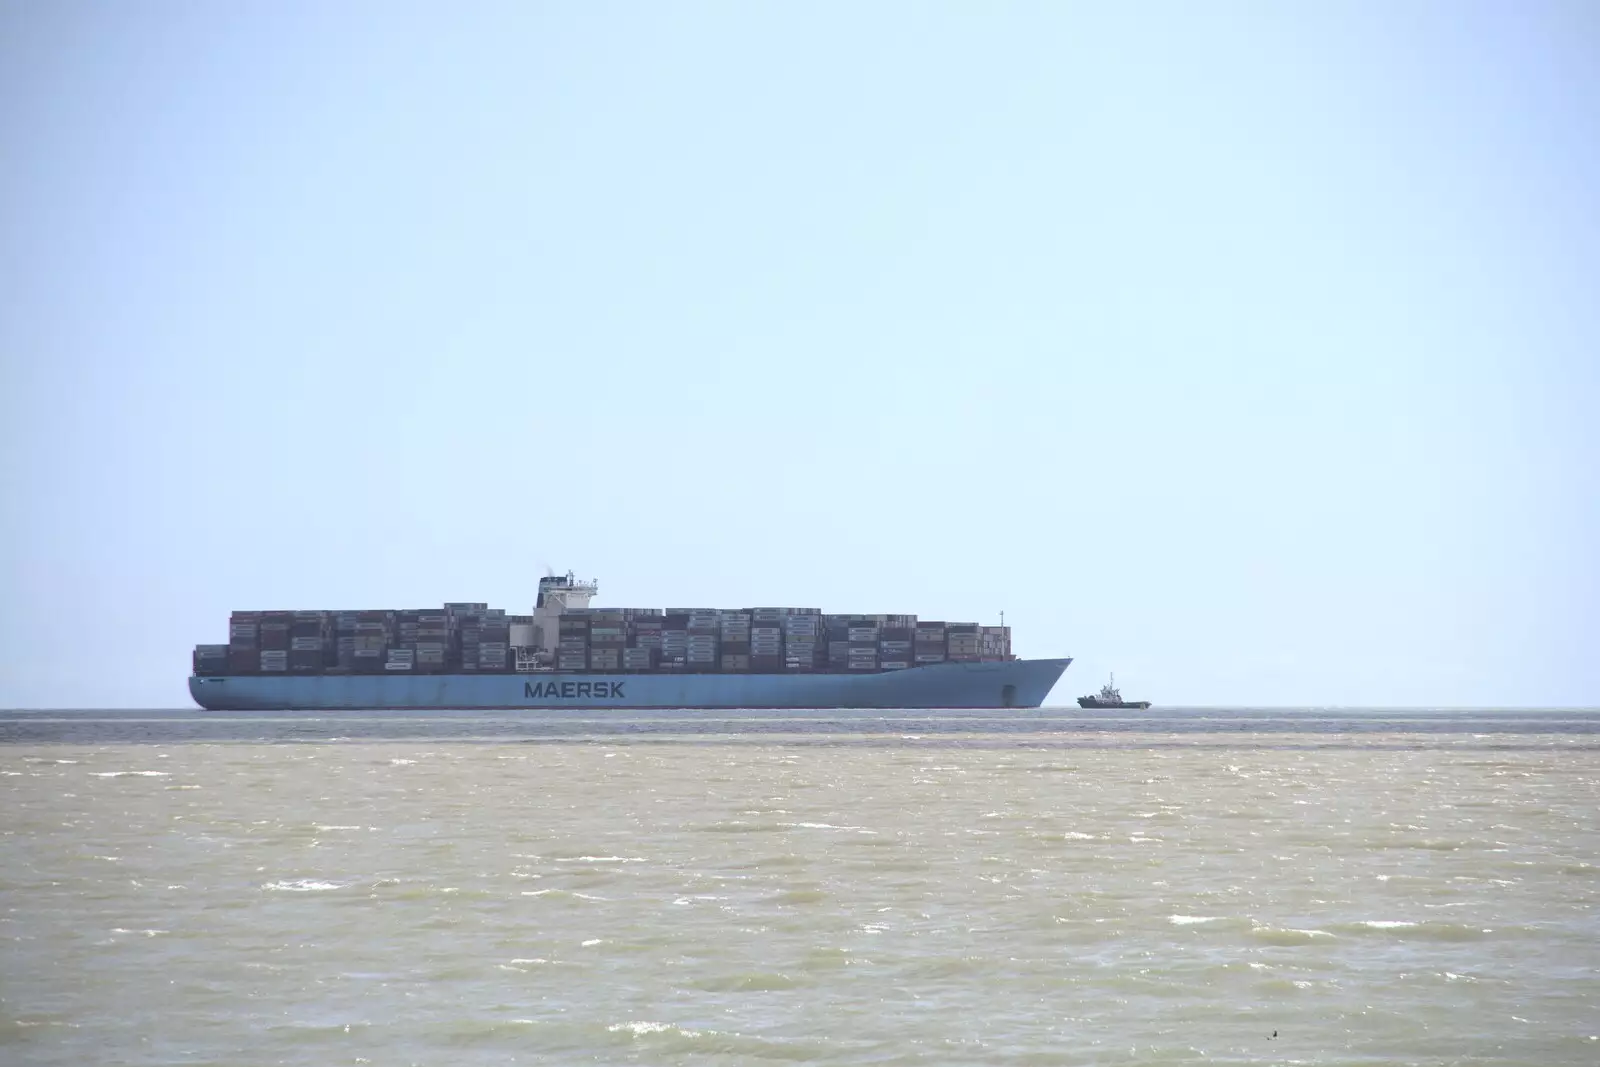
x=917, y=891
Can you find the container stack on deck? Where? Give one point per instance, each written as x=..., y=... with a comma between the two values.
x=802, y=635
x=863, y=634
x=962, y=641
x=473, y=638
x=766, y=640
x=643, y=652
x=735, y=641
x=369, y=640
x=572, y=645
x=994, y=643
x=702, y=652
x=244, y=630
x=608, y=635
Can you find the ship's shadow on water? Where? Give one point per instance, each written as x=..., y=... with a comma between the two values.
x=1487, y=729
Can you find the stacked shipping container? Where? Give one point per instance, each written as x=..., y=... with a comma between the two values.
x=471, y=637
x=736, y=638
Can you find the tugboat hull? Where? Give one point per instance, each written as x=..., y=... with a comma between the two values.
x=1096, y=702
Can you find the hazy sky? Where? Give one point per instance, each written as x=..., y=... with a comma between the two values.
x=1251, y=351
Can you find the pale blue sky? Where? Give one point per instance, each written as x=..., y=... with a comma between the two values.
x=1247, y=350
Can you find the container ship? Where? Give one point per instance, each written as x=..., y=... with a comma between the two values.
x=567, y=655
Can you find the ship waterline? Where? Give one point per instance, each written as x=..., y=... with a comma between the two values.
x=1004, y=684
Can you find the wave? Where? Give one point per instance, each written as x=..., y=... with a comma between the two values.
x=560, y=894
x=1410, y=930
x=668, y=1038
x=752, y=982
x=304, y=885
x=1286, y=935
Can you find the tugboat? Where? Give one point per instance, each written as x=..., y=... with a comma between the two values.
x=1111, y=697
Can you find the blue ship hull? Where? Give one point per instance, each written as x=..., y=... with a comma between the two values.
x=1010, y=684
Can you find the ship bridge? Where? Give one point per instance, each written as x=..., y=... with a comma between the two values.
x=558, y=593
